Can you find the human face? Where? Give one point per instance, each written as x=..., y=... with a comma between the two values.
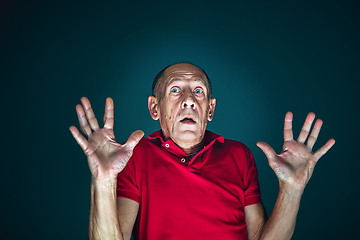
x=185, y=107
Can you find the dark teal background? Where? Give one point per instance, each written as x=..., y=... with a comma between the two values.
x=264, y=58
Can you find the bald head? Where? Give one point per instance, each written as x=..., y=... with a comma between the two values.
x=170, y=72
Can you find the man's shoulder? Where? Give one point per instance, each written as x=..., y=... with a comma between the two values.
x=235, y=143
x=143, y=143
x=147, y=143
x=225, y=144
x=236, y=146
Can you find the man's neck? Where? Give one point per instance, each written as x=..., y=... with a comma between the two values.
x=191, y=151
x=189, y=147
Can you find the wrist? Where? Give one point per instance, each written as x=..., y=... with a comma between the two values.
x=291, y=189
x=104, y=183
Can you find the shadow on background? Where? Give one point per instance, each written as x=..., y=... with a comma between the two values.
x=264, y=59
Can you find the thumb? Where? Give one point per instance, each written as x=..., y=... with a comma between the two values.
x=134, y=139
x=267, y=149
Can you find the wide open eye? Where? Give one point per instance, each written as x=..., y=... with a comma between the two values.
x=175, y=90
x=198, y=91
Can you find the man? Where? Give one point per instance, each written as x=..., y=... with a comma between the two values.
x=185, y=182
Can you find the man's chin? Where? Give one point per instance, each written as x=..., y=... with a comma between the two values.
x=188, y=136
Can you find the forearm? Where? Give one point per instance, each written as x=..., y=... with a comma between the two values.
x=281, y=223
x=103, y=220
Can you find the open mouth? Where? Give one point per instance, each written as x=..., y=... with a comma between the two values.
x=189, y=120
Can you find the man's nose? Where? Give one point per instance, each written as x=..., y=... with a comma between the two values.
x=188, y=101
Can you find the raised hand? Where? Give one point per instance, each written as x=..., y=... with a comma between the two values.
x=106, y=157
x=295, y=164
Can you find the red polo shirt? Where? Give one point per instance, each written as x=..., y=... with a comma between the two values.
x=199, y=198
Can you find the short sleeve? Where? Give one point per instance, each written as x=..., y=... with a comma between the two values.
x=126, y=182
x=252, y=188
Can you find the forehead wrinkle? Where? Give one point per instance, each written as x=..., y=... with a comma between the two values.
x=179, y=80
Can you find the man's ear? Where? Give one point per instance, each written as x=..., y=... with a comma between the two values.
x=212, y=104
x=153, y=107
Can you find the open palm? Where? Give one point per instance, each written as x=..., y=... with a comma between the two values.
x=106, y=157
x=295, y=164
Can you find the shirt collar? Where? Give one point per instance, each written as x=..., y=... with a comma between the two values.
x=208, y=138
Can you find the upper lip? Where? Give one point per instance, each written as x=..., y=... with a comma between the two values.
x=189, y=117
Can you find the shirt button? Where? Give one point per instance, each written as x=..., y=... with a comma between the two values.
x=183, y=160
x=167, y=145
